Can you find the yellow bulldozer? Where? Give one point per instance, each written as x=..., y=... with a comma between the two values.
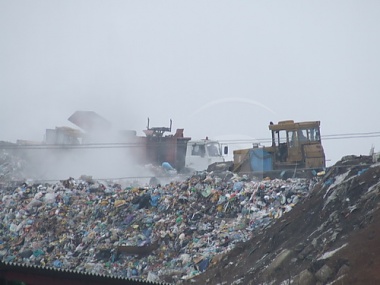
x=296, y=150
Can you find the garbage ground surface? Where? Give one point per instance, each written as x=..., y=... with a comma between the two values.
x=330, y=237
x=209, y=228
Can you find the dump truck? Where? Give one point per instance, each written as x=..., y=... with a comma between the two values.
x=157, y=146
x=296, y=150
x=184, y=154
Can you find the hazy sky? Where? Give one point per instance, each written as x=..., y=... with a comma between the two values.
x=216, y=68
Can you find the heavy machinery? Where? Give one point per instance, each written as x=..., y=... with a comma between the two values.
x=296, y=148
x=184, y=154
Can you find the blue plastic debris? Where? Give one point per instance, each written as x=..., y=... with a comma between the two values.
x=329, y=182
x=238, y=186
x=202, y=266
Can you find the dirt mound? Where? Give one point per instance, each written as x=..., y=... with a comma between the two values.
x=332, y=236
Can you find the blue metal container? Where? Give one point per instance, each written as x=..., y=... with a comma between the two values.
x=261, y=160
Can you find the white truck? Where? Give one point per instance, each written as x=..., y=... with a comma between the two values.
x=201, y=153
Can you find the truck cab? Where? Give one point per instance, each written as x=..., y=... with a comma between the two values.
x=202, y=153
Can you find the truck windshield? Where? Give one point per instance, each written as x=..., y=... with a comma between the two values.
x=213, y=149
x=198, y=150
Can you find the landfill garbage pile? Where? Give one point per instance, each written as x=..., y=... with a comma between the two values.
x=330, y=237
x=159, y=233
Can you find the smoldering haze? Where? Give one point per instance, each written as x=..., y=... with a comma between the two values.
x=101, y=163
x=103, y=159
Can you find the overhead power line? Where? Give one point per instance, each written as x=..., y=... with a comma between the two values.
x=351, y=136
x=324, y=137
x=110, y=145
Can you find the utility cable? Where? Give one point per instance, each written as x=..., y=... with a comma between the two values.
x=109, y=145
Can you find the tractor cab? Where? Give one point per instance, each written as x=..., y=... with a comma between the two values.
x=296, y=144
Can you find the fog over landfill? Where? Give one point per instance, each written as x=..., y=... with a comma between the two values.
x=222, y=69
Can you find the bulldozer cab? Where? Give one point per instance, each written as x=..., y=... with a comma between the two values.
x=296, y=144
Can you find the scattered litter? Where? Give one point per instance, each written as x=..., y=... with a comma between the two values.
x=143, y=231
